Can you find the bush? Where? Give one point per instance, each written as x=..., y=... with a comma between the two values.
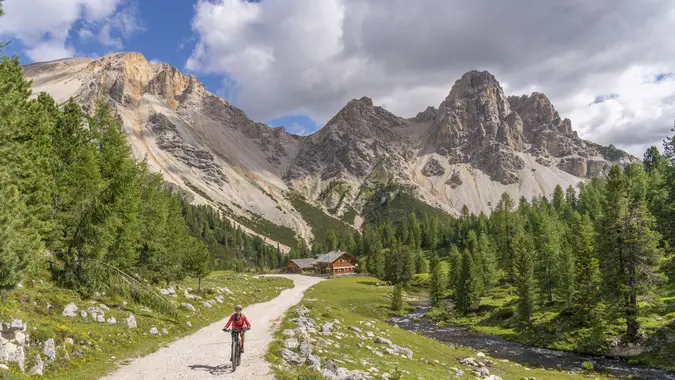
x=397, y=298
x=588, y=366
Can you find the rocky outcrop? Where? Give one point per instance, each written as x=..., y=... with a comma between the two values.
x=433, y=168
x=14, y=340
x=167, y=139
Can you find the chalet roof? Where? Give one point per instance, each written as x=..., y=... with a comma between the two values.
x=304, y=263
x=329, y=257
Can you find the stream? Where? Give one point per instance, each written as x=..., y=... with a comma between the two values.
x=499, y=348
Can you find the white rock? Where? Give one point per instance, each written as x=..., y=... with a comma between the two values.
x=480, y=355
x=154, y=331
x=111, y=321
x=171, y=291
x=104, y=307
x=188, y=323
x=50, y=349
x=131, y=321
x=70, y=310
x=327, y=327
x=38, y=367
x=69, y=341
x=165, y=332
x=188, y=306
x=4, y=367
x=83, y=314
x=291, y=343
x=381, y=340
x=100, y=318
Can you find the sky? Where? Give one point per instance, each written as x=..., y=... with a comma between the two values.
x=608, y=65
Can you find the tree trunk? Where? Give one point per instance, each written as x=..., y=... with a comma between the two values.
x=199, y=285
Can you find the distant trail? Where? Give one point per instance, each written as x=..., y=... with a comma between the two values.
x=206, y=353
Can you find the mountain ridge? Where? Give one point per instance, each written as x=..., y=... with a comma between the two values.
x=477, y=144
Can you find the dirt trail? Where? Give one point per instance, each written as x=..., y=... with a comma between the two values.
x=205, y=354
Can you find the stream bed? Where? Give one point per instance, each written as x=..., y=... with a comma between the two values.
x=526, y=355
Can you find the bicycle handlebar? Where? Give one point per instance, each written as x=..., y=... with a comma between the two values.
x=230, y=330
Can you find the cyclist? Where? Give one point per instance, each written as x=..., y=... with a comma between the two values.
x=239, y=322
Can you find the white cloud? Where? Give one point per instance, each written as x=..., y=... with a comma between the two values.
x=43, y=26
x=307, y=56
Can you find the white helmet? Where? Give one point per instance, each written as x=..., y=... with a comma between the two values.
x=238, y=307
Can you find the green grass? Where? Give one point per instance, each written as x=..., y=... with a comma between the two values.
x=320, y=222
x=104, y=346
x=356, y=299
x=282, y=234
x=399, y=205
x=349, y=215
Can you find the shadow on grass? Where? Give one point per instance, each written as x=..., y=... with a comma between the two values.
x=370, y=283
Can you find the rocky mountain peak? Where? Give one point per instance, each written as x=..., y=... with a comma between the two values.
x=538, y=113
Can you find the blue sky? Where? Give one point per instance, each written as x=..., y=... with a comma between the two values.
x=163, y=34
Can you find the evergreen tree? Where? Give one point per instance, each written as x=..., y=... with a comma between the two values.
x=587, y=270
x=488, y=261
x=548, y=244
x=436, y=280
x=376, y=263
x=525, y=285
x=507, y=229
x=455, y=268
x=401, y=264
x=415, y=232
x=331, y=241
x=468, y=291
x=397, y=297
x=558, y=201
x=421, y=265
x=197, y=261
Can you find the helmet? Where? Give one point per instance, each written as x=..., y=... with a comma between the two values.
x=238, y=307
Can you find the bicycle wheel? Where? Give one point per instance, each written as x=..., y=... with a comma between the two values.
x=235, y=354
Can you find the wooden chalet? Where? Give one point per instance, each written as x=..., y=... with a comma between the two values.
x=301, y=265
x=332, y=263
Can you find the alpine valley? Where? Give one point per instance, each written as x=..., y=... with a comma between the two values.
x=478, y=144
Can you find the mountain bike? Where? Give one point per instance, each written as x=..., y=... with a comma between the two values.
x=235, y=356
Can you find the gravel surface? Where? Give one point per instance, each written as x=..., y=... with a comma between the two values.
x=205, y=354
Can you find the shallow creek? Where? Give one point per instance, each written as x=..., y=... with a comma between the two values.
x=526, y=355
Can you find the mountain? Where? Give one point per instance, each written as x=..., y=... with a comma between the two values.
x=476, y=145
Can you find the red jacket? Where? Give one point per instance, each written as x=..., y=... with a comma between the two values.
x=238, y=323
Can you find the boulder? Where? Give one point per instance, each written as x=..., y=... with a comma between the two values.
x=291, y=343
x=383, y=341
x=154, y=331
x=83, y=314
x=291, y=357
x=111, y=321
x=355, y=329
x=313, y=362
x=482, y=372
x=327, y=328
x=188, y=306
x=219, y=299
x=306, y=348
x=38, y=367
x=131, y=321
x=104, y=307
x=70, y=310
x=100, y=318
x=403, y=351
x=50, y=349
x=289, y=333
x=171, y=291
x=480, y=355
x=469, y=361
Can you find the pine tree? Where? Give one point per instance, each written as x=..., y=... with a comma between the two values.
x=20, y=243
x=397, y=297
x=376, y=263
x=197, y=261
x=488, y=260
x=468, y=291
x=415, y=232
x=331, y=241
x=525, y=285
x=421, y=265
x=587, y=270
x=547, y=244
x=436, y=280
x=558, y=201
x=455, y=268
x=508, y=227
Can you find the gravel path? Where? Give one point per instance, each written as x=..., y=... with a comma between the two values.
x=205, y=354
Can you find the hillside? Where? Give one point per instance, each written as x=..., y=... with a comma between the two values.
x=476, y=145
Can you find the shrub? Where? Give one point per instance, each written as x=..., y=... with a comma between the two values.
x=588, y=366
